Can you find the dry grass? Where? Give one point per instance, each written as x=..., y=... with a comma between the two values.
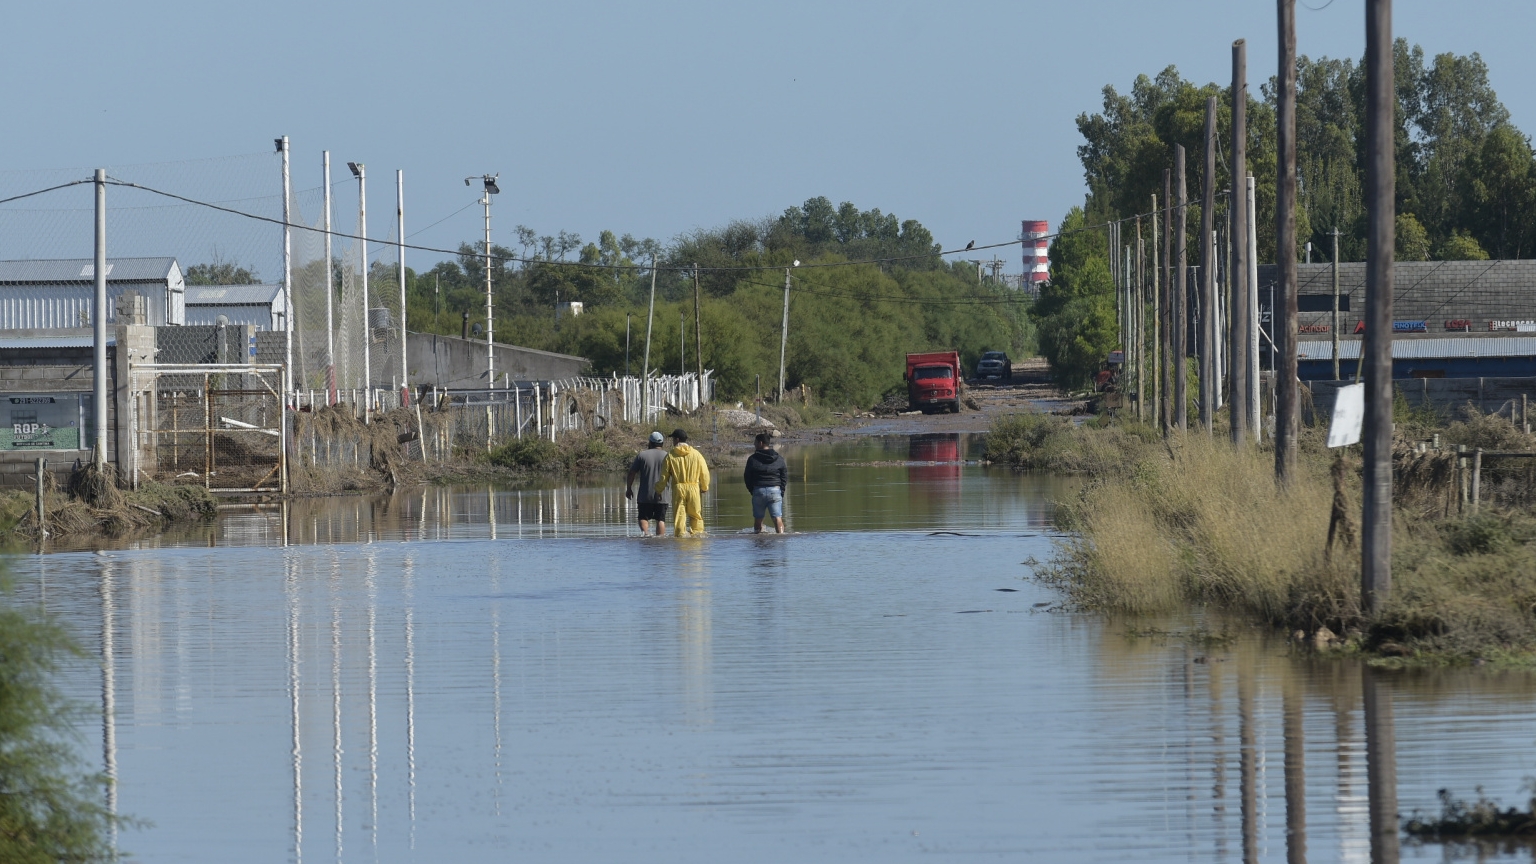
x=1198, y=523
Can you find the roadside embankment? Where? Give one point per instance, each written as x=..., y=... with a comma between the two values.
x=1193, y=521
x=83, y=505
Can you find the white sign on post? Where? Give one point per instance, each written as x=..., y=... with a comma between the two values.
x=1348, y=414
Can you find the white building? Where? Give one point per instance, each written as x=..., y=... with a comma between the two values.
x=59, y=293
x=257, y=305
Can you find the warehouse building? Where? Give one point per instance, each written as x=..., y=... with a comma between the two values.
x=51, y=294
x=260, y=306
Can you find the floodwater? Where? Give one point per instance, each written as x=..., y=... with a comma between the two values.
x=474, y=674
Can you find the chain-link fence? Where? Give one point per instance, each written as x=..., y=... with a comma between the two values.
x=217, y=426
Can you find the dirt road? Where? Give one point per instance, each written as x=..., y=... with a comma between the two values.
x=1030, y=390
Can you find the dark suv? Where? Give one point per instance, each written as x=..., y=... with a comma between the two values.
x=994, y=364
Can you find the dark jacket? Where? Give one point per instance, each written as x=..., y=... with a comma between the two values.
x=766, y=468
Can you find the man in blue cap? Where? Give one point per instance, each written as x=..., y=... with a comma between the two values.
x=652, y=502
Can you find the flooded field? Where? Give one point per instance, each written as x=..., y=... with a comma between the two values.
x=475, y=674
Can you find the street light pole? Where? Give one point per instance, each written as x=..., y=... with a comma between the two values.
x=99, y=327
x=361, y=173
x=330, y=323
x=405, y=387
x=490, y=341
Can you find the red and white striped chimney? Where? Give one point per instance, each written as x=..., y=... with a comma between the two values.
x=1036, y=252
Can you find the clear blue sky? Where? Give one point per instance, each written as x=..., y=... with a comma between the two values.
x=658, y=118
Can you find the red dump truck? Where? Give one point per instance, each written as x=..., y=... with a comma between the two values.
x=933, y=381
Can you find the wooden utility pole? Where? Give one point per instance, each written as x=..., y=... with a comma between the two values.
x=1158, y=372
x=1167, y=297
x=1288, y=402
x=784, y=334
x=1335, y=327
x=1381, y=218
x=1179, y=316
x=1208, y=313
x=1141, y=326
x=1237, y=352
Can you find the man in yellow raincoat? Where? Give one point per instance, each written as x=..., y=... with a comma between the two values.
x=687, y=474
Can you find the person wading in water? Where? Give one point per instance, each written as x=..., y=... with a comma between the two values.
x=766, y=477
x=652, y=503
x=687, y=475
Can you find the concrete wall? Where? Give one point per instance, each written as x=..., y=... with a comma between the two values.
x=67, y=372
x=454, y=363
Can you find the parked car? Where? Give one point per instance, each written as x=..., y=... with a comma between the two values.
x=994, y=364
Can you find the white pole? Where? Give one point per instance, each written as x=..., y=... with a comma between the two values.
x=99, y=327
x=362, y=232
x=288, y=382
x=784, y=335
x=645, y=371
x=330, y=294
x=490, y=340
x=405, y=385
x=1253, y=316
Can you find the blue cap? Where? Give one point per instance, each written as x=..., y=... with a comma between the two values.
x=657, y=438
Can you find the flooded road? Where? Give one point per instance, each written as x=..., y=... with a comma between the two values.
x=486, y=675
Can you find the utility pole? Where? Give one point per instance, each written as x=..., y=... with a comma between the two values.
x=627, y=317
x=99, y=328
x=698, y=331
x=1380, y=189
x=288, y=382
x=1243, y=375
x=682, y=344
x=1208, y=312
x=1165, y=311
x=1141, y=322
x=360, y=172
x=645, y=370
x=1180, y=310
x=330, y=294
x=1335, y=327
x=490, y=333
x=1160, y=415
x=405, y=386
x=1288, y=409
x=1254, y=422
x=784, y=333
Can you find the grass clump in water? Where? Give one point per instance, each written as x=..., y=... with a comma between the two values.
x=1048, y=442
x=1480, y=819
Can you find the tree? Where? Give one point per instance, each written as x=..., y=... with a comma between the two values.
x=1497, y=193
x=220, y=272
x=1460, y=247
x=1412, y=242
x=50, y=809
x=1075, y=312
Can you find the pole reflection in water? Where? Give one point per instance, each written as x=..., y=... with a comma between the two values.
x=1350, y=805
x=1294, y=727
x=373, y=699
x=1218, y=762
x=109, y=693
x=496, y=675
x=1247, y=759
x=336, y=751
x=408, y=583
x=291, y=589
x=1380, y=768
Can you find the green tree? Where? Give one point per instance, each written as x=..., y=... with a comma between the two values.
x=1075, y=312
x=1412, y=242
x=1460, y=247
x=50, y=809
x=1497, y=192
x=220, y=272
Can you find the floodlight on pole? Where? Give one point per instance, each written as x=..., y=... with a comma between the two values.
x=489, y=181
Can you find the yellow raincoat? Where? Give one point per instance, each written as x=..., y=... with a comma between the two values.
x=686, y=472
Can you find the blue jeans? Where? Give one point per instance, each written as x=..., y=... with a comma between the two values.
x=769, y=500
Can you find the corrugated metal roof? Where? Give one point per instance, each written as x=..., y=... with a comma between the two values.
x=1427, y=349
x=77, y=269
x=232, y=295
x=50, y=342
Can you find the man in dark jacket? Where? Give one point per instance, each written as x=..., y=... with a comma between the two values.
x=766, y=476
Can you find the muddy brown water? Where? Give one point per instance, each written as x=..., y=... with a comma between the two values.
x=476, y=674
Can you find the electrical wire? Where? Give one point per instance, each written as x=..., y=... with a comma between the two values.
x=41, y=191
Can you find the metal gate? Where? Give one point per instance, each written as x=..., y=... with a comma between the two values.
x=219, y=426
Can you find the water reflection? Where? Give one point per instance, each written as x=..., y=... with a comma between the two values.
x=817, y=697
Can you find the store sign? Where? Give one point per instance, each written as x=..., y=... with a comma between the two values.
x=41, y=421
